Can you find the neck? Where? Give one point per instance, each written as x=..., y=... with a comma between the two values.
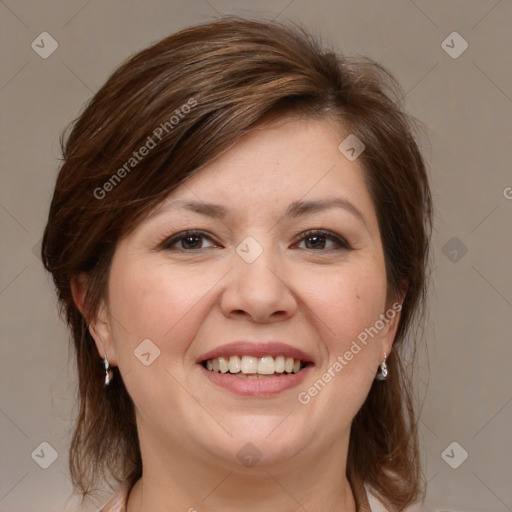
x=181, y=482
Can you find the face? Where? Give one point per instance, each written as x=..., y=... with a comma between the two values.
x=271, y=252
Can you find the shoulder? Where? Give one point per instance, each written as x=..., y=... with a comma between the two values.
x=373, y=502
x=119, y=500
x=376, y=506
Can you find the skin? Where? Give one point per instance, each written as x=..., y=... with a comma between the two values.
x=304, y=291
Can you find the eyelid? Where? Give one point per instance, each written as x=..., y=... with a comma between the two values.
x=169, y=241
x=338, y=239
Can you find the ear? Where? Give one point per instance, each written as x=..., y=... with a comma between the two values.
x=98, y=326
x=393, y=314
x=392, y=319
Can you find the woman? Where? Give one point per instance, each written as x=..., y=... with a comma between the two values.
x=238, y=237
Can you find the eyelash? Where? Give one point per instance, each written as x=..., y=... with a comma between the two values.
x=168, y=242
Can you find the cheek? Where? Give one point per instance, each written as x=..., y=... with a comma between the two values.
x=158, y=302
x=353, y=302
x=346, y=303
x=163, y=304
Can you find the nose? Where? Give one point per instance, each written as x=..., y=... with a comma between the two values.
x=258, y=291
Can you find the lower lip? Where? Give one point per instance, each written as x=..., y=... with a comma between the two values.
x=268, y=386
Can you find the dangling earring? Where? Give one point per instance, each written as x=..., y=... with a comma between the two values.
x=383, y=370
x=109, y=374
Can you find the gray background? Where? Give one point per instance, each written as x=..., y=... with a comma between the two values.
x=466, y=105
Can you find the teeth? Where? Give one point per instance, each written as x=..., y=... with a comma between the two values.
x=249, y=364
x=223, y=365
x=266, y=365
x=235, y=364
x=279, y=364
x=252, y=367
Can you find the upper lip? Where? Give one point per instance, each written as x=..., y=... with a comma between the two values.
x=256, y=349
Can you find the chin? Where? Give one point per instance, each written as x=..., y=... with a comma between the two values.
x=257, y=442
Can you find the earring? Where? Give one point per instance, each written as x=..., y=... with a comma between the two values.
x=383, y=370
x=109, y=374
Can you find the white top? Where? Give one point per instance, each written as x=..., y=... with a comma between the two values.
x=118, y=502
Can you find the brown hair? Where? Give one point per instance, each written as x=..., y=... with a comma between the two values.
x=194, y=94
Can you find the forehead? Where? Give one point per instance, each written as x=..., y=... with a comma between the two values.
x=274, y=166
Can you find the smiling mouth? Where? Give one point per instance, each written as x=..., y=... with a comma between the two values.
x=250, y=367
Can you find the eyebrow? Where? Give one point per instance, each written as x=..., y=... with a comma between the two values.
x=300, y=208
x=294, y=210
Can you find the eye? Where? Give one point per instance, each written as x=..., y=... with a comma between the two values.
x=187, y=241
x=194, y=240
x=323, y=240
